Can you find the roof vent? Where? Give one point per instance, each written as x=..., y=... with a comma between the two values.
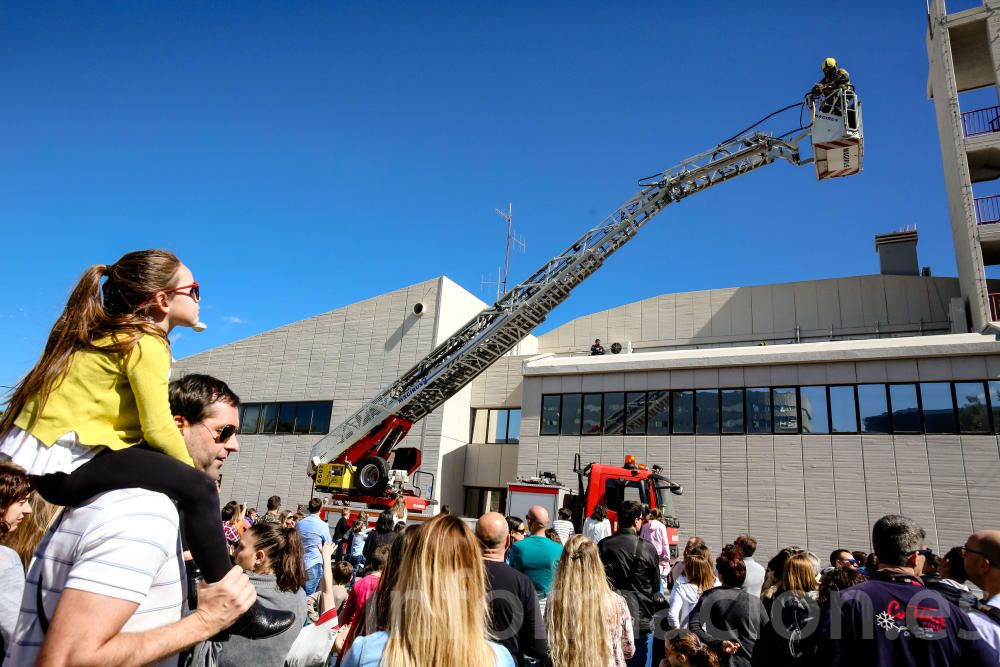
x=897, y=253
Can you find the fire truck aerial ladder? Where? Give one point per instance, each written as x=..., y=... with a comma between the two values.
x=360, y=460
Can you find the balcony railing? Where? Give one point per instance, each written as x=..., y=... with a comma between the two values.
x=981, y=121
x=988, y=210
x=994, y=307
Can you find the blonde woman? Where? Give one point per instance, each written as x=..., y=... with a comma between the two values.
x=685, y=594
x=588, y=624
x=399, y=510
x=438, y=616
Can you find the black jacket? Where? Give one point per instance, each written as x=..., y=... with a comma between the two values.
x=516, y=621
x=634, y=572
x=791, y=638
x=374, y=540
x=729, y=613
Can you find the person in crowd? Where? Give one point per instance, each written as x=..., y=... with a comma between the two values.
x=860, y=557
x=950, y=578
x=32, y=528
x=109, y=350
x=553, y=535
x=727, y=618
x=382, y=535
x=340, y=534
x=364, y=587
x=314, y=533
x=841, y=558
x=871, y=564
x=536, y=555
x=286, y=519
x=15, y=489
x=445, y=509
x=632, y=568
x=244, y=524
x=790, y=638
x=251, y=516
x=597, y=526
x=684, y=649
x=873, y=616
x=516, y=619
x=931, y=565
x=440, y=618
x=754, y=581
x=518, y=531
x=95, y=606
x=775, y=568
x=596, y=349
x=273, y=513
x=564, y=525
x=834, y=581
x=981, y=558
x=230, y=518
x=677, y=569
x=399, y=527
x=332, y=591
x=272, y=557
x=654, y=531
x=798, y=579
x=356, y=543
x=399, y=513
x=685, y=595
x=588, y=623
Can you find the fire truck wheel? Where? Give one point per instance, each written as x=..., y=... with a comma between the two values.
x=373, y=475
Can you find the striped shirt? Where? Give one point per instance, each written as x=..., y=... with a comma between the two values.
x=123, y=544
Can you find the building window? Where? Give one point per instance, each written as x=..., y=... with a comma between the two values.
x=707, y=411
x=659, y=412
x=973, y=410
x=572, y=406
x=311, y=418
x=592, y=414
x=786, y=410
x=497, y=425
x=635, y=413
x=732, y=411
x=905, y=408
x=843, y=410
x=759, y=411
x=874, y=408
x=938, y=407
x=994, y=392
x=614, y=413
x=683, y=409
x=550, y=415
x=814, y=416
x=479, y=501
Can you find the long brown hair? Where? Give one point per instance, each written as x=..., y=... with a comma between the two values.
x=798, y=575
x=439, y=614
x=29, y=534
x=94, y=312
x=283, y=547
x=14, y=488
x=579, y=608
x=699, y=572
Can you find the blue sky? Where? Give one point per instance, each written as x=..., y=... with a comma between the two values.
x=303, y=156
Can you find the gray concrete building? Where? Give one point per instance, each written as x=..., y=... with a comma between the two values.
x=800, y=412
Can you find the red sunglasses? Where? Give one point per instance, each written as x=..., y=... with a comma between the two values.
x=194, y=293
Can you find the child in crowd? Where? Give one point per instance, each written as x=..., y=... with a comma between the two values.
x=94, y=414
x=356, y=544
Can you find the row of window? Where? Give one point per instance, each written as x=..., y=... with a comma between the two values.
x=491, y=425
x=925, y=407
x=282, y=418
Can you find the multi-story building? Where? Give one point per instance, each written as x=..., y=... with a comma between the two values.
x=800, y=412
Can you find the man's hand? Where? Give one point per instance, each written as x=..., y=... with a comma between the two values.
x=221, y=603
x=730, y=647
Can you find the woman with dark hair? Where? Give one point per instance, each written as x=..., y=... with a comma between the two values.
x=383, y=534
x=597, y=526
x=15, y=487
x=950, y=578
x=729, y=612
x=684, y=649
x=273, y=560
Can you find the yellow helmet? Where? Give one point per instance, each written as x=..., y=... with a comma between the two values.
x=829, y=63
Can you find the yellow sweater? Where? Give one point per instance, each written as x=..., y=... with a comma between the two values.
x=107, y=401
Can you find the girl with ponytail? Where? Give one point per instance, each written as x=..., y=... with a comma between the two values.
x=272, y=556
x=93, y=415
x=684, y=649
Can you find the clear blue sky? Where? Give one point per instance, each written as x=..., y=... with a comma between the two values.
x=301, y=156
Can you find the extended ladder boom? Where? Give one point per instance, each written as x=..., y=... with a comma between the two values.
x=496, y=330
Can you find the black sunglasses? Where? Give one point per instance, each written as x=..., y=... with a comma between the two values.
x=223, y=435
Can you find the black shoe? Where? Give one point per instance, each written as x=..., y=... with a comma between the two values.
x=259, y=622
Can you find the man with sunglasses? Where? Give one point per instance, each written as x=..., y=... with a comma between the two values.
x=119, y=600
x=892, y=619
x=981, y=557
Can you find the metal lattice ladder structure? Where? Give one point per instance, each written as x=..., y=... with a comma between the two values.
x=496, y=330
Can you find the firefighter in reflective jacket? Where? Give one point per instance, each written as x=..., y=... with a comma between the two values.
x=834, y=79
